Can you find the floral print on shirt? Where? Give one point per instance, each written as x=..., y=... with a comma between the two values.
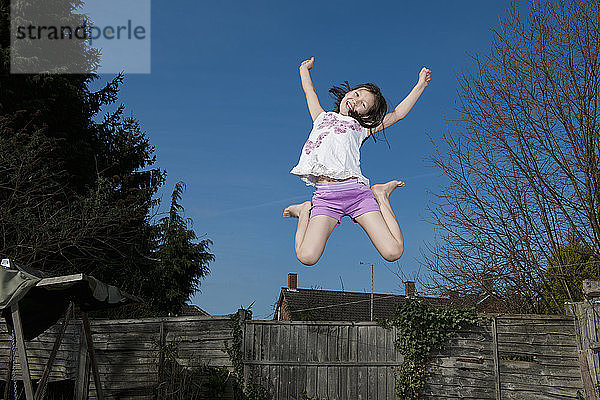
x=331, y=123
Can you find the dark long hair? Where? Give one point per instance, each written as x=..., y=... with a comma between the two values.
x=374, y=116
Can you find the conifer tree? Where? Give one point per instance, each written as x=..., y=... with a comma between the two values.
x=78, y=184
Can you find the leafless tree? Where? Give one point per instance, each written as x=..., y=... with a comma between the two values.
x=522, y=158
x=44, y=223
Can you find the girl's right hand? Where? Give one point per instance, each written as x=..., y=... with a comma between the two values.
x=308, y=64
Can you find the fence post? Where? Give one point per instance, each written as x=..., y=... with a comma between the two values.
x=82, y=384
x=243, y=315
x=586, y=315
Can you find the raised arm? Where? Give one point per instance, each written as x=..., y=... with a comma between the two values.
x=314, y=107
x=407, y=104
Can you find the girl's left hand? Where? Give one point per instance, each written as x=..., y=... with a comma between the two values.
x=424, y=76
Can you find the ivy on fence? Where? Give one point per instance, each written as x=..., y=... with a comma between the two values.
x=422, y=329
x=250, y=389
x=178, y=382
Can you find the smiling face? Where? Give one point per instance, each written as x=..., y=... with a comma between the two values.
x=359, y=100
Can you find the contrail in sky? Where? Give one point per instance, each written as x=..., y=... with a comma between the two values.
x=291, y=200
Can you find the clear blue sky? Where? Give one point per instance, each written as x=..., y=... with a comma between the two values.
x=224, y=107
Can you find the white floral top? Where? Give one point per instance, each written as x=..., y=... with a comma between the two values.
x=332, y=149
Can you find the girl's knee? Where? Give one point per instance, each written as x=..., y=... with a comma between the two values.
x=308, y=257
x=393, y=253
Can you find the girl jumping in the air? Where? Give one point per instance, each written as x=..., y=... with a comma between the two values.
x=330, y=160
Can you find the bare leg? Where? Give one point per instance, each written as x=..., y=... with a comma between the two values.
x=302, y=212
x=311, y=233
x=382, y=226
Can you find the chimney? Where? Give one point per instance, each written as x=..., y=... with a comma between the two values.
x=487, y=283
x=292, y=281
x=409, y=289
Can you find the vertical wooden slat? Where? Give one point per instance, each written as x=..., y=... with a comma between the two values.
x=361, y=342
x=311, y=343
x=595, y=360
x=496, y=358
x=371, y=344
x=363, y=376
x=321, y=343
x=266, y=342
x=380, y=344
x=8, y=379
x=332, y=382
x=18, y=327
x=275, y=378
x=332, y=343
x=391, y=383
x=265, y=376
x=302, y=380
x=353, y=343
x=82, y=384
x=343, y=342
x=311, y=380
x=350, y=383
x=292, y=354
x=162, y=342
x=333, y=355
x=372, y=383
x=258, y=346
x=298, y=376
x=381, y=371
x=273, y=349
x=302, y=352
x=294, y=383
x=284, y=345
x=362, y=389
x=283, y=391
x=322, y=382
x=342, y=382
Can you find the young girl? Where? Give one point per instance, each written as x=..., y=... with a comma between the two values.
x=330, y=160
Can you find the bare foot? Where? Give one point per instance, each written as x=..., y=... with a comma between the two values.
x=385, y=189
x=296, y=209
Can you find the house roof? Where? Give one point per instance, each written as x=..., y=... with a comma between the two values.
x=192, y=309
x=330, y=305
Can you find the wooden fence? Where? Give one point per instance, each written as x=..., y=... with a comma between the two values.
x=514, y=357
x=511, y=357
x=127, y=351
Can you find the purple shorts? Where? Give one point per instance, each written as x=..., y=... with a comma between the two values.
x=337, y=199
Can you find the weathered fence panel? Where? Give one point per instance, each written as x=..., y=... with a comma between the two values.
x=129, y=357
x=328, y=360
x=128, y=352
x=38, y=351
